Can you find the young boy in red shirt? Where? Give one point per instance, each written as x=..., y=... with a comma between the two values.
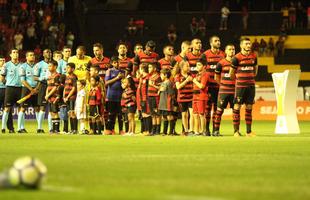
x=94, y=102
x=200, y=98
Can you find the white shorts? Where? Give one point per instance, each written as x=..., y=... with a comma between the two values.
x=79, y=114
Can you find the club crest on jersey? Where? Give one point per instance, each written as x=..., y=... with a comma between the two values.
x=212, y=66
x=247, y=68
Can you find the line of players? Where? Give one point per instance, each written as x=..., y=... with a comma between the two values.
x=192, y=82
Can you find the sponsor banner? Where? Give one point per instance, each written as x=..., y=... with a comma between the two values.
x=267, y=110
x=29, y=113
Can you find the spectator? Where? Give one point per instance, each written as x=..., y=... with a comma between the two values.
x=194, y=26
x=255, y=46
x=292, y=15
x=284, y=11
x=280, y=46
x=70, y=39
x=245, y=16
x=224, y=17
x=37, y=52
x=202, y=27
x=18, y=40
x=262, y=47
x=140, y=26
x=172, y=34
x=3, y=4
x=2, y=42
x=60, y=4
x=270, y=47
x=308, y=16
x=14, y=18
x=299, y=15
x=131, y=28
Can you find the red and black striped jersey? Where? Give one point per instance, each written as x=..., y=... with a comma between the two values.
x=165, y=64
x=210, y=60
x=70, y=83
x=192, y=60
x=227, y=85
x=94, y=96
x=155, y=79
x=185, y=94
x=52, y=82
x=142, y=57
x=128, y=98
x=143, y=86
x=124, y=63
x=176, y=59
x=201, y=94
x=104, y=65
x=245, y=66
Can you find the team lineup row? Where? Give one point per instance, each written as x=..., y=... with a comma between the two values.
x=100, y=90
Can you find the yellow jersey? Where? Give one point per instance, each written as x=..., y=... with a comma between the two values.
x=80, y=66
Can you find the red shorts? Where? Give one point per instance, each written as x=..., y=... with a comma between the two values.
x=199, y=107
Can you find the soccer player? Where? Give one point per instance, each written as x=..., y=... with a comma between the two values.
x=193, y=56
x=123, y=60
x=136, y=50
x=113, y=79
x=66, y=53
x=80, y=105
x=244, y=67
x=145, y=109
x=63, y=109
x=184, y=85
x=94, y=101
x=153, y=97
x=69, y=96
x=227, y=87
x=57, y=56
x=185, y=49
x=29, y=86
x=41, y=73
x=166, y=62
x=100, y=60
x=81, y=62
x=200, y=98
x=10, y=71
x=129, y=103
x=166, y=100
x=210, y=58
x=52, y=94
x=147, y=56
x=2, y=94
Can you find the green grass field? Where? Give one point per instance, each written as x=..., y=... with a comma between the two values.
x=166, y=168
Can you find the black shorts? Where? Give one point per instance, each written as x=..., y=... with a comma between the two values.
x=53, y=107
x=245, y=95
x=32, y=101
x=12, y=95
x=41, y=94
x=70, y=105
x=153, y=105
x=184, y=106
x=114, y=107
x=145, y=107
x=131, y=109
x=213, y=95
x=165, y=113
x=94, y=111
x=2, y=95
x=224, y=100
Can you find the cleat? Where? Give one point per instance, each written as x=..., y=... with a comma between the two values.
x=216, y=134
x=2, y=130
x=108, y=132
x=122, y=133
x=207, y=134
x=20, y=131
x=251, y=134
x=11, y=131
x=191, y=133
x=237, y=134
x=197, y=134
x=24, y=130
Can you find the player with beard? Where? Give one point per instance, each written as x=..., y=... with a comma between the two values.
x=193, y=56
x=185, y=49
x=227, y=86
x=81, y=63
x=123, y=60
x=244, y=67
x=99, y=60
x=148, y=56
x=210, y=58
x=166, y=62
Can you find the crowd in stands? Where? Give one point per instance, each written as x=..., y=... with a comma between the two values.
x=33, y=24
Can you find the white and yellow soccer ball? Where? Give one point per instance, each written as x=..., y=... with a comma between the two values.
x=28, y=172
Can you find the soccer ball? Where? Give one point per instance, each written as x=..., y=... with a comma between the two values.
x=27, y=171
